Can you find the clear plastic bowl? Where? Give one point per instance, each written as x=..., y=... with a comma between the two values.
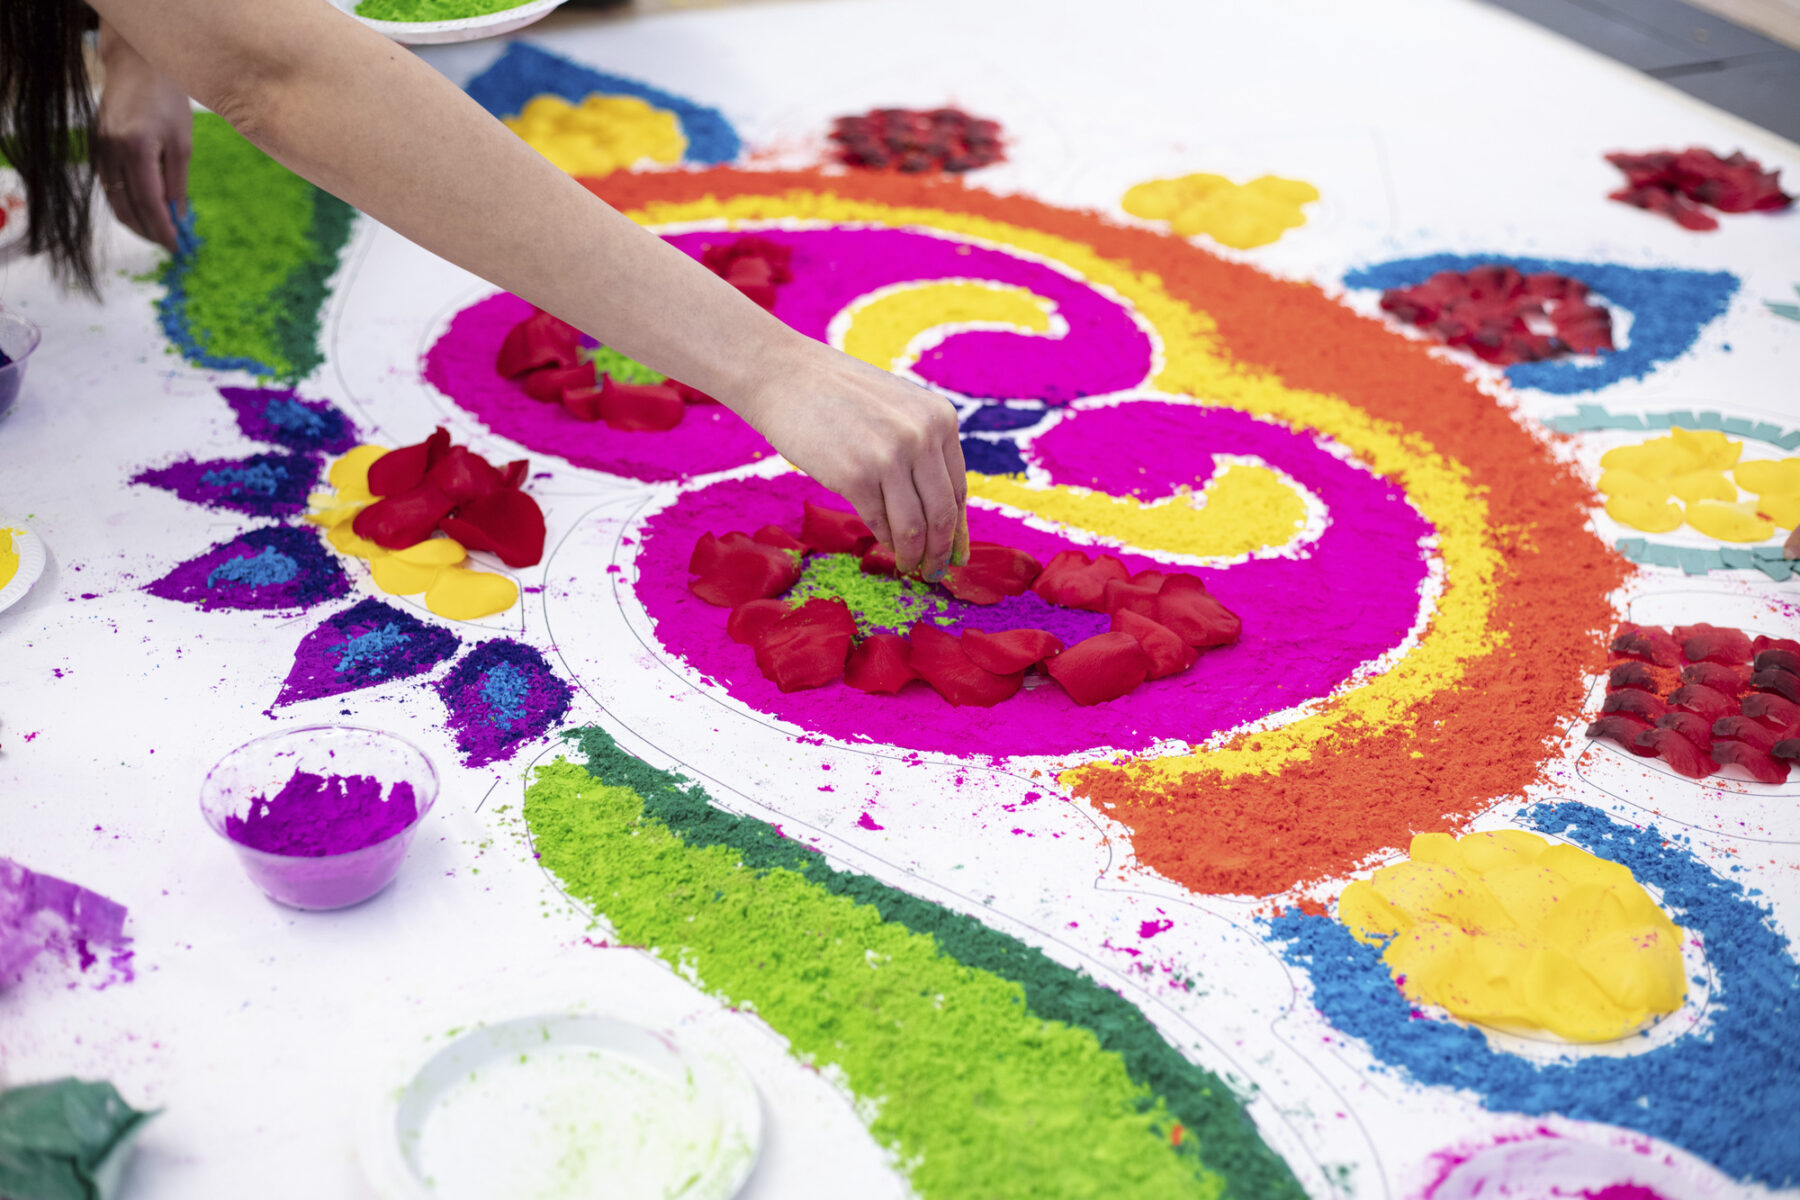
x=18, y=337
x=261, y=768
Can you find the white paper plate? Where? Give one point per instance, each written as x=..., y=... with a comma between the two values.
x=571, y=1105
x=12, y=201
x=467, y=29
x=31, y=565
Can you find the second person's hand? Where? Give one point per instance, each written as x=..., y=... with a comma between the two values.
x=143, y=138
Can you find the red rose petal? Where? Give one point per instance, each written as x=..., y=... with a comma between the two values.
x=1763, y=642
x=1127, y=594
x=1733, y=681
x=464, y=476
x=781, y=539
x=807, y=647
x=640, y=407
x=1647, y=643
x=880, y=663
x=738, y=569
x=582, y=403
x=992, y=573
x=507, y=523
x=1710, y=643
x=549, y=383
x=1624, y=729
x=776, y=256
x=1692, y=726
x=404, y=469
x=1011, y=650
x=1762, y=766
x=706, y=554
x=1776, y=712
x=1775, y=658
x=513, y=474
x=941, y=661
x=403, y=520
x=1168, y=654
x=749, y=619
x=879, y=560
x=540, y=340
x=1681, y=754
x=1698, y=698
x=1639, y=704
x=1186, y=607
x=1073, y=580
x=832, y=532
x=1103, y=667
x=1634, y=675
x=1781, y=683
x=1742, y=729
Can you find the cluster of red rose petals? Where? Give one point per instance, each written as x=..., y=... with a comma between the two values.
x=948, y=139
x=544, y=352
x=1701, y=697
x=1677, y=183
x=1491, y=312
x=434, y=485
x=754, y=266
x=1160, y=622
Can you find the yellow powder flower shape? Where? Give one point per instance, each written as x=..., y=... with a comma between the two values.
x=1235, y=215
x=600, y=135
x=1513, y=931
x=1662, y=483
x=433, y=566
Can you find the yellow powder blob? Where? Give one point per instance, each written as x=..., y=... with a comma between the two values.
x=464, y=595
x=1652, y=516
x=1510, y=930
x=1708, y=484
x=1769, y=475
x=1242, y=509
x=1618, y=481
x=433, y=552
x=600, y=135
x=883, y=330
x=9, y=557
x=1239, y=216
x=1783, y=508
x=1729, y=522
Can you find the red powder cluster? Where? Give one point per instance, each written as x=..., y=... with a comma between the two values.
x=434, y=485
x=943, y=139
x=1160, y=622
x=543, y=353
x=1676, y=184
x=1504, y=317
x=1701, y=697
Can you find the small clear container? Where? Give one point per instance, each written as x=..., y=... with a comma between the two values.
x=259, y=769
x=19, y=336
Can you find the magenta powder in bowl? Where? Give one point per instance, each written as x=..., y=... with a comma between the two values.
x=320, y=816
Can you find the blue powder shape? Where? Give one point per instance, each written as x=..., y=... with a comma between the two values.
x=261, y=569
x=369, y=655
x=524, y=71
x=259, y=478
x=506, y=689
x=278, y=415
x=1727, y=1093
x=999, y=418
x=290, y=416
x=992, y=457
x=1669, y=307
x=200, y=580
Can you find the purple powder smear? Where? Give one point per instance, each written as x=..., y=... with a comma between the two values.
x=263, y=485
x=274, y=567
x=316, y=815
x=461, y=366
x=1104, y=350
x=40, y=913
x=500, y=696
x=281, y=418
x=1308, y=622
x=368, y=643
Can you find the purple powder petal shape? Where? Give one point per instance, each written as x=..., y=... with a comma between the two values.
x=263, y=485
x=280, y=417
x=369, y=643
x=502, y=695
x=275, y=567
x=41, y=914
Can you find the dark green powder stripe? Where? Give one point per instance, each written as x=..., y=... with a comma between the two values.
x=1228, y=1141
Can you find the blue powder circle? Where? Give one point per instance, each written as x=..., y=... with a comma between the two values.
x=1669, y=306
x=1727, y=1093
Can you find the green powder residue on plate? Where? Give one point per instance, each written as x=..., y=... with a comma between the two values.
x=431, y=10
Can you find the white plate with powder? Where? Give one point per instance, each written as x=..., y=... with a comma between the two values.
x=463, y=29
x=566, y=1107
x=24, y=544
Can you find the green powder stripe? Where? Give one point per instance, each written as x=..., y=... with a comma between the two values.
x=248, y=291
x=1166, y=1085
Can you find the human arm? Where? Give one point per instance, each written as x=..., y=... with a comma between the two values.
x=143, y=138
x=367, y=121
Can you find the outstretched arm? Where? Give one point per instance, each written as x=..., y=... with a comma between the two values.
x=362, y=118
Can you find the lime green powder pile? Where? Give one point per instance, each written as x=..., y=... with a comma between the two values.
x=989, y=1069
x=878, y=601
x=431, y=10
